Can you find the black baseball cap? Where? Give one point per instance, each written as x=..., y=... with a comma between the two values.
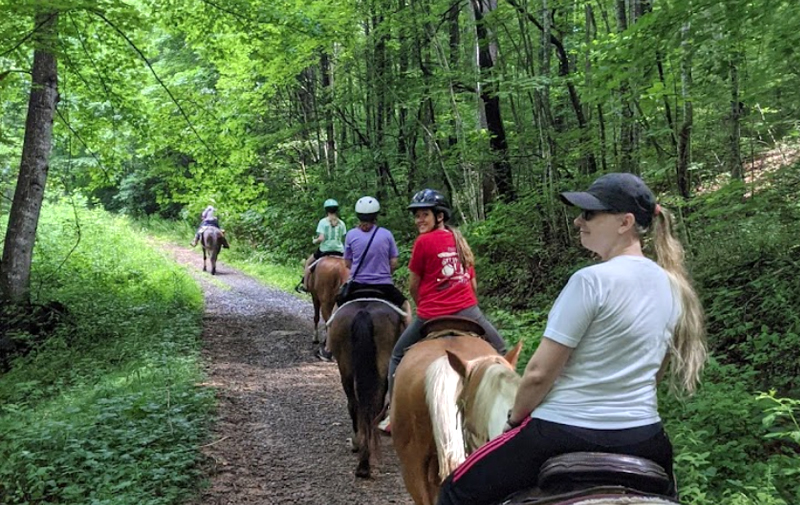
x=617, y=192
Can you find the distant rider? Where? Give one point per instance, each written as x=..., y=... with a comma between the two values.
x=207, y=218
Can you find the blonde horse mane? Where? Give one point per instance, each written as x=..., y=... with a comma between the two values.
x=487, y=395
x=442, y=386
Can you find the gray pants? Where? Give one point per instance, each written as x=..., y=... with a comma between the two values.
x=411, y=336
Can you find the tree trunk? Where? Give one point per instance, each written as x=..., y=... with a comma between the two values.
x=15, y=267
x=735, y=153
x=685, y=133
x=327, y=99
x=627, y=133
x=491, y=102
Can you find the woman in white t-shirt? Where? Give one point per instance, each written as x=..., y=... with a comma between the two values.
x=614, y=330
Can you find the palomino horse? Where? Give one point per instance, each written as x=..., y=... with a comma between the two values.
x=211, y=240
x=579, y=478
x=426, y=429
x=324, y=282
x=361, y=336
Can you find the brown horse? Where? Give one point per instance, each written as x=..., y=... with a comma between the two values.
x=324, y=282
x=361, y=336
x=488, y=392
x=211, y=239
x=426, y=430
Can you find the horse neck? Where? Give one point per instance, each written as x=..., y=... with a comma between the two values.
x=489, y=394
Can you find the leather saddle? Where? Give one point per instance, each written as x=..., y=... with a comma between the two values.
x=449, y=326
x=578, y=476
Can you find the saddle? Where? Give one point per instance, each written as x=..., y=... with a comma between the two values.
x=451, y=326
x=583, y=475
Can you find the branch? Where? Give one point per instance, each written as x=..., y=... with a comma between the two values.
x=69, y=127
x=29, y=34
x=152, y=70
x=364, y=141
x=563, y=59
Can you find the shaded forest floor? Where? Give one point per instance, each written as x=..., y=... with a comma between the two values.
x=282, y=425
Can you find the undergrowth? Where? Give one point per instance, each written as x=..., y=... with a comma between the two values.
x=107, y=410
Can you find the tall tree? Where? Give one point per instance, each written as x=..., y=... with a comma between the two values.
x=15, y=267
x=487, y=51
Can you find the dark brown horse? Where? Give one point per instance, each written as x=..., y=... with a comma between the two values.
x=361, y=336
x=324, y=282
x=426, y=431
x=211, y=239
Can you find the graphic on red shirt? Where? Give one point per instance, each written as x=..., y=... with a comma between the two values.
x=445, y=287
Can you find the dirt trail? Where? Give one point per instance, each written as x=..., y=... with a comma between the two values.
x=282, y=428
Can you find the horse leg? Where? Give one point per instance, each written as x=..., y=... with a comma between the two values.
x=316, y=318
x=350, y=392
x=214, y=254
x=204, y=258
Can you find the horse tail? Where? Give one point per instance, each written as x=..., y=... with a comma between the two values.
x=442, y=385
x=367, y=381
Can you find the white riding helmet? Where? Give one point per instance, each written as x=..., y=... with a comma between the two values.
x=367, y=205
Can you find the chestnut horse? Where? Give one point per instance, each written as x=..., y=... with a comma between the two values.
x=328, y=275
x=579, y=478
x=211, y=239
x=361, y=336
x=426, y=428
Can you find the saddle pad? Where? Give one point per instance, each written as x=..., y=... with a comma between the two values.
x=394, y=307
x=601, y=495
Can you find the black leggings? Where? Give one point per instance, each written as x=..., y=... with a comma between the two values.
x=511, y=462
x=318, y=254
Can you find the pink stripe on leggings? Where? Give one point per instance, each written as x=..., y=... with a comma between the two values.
x=487, y=448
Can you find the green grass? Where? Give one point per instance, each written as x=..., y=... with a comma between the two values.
x=108, y=410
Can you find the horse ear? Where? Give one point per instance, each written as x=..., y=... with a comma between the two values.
x=458, y=364
x=513, y=355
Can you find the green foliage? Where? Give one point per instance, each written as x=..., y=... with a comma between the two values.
x=108, y=410
x=745, y=261
x=721, y=438
x=518, y=262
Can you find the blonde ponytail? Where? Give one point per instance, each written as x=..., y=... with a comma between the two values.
x=688, y=350
x=465, y=255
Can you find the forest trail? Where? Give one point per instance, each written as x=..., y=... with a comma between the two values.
x=280, y=436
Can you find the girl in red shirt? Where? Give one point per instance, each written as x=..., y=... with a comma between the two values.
x=442, y=278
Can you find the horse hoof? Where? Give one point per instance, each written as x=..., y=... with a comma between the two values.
x=363, y=470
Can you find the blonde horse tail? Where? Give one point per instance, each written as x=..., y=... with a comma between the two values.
x=442, y=385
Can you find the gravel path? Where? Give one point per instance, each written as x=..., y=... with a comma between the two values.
x=282, y=422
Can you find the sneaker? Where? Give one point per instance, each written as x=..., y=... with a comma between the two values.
x=385, y=426
x=325, y=355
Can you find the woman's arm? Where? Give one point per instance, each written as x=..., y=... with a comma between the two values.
x=541, y=372
x=319, y=238
x=413, y=285
x=394, y=263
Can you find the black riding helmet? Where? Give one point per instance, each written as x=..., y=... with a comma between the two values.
x=430, y=199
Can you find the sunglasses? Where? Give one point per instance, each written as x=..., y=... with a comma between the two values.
x=588, y=215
